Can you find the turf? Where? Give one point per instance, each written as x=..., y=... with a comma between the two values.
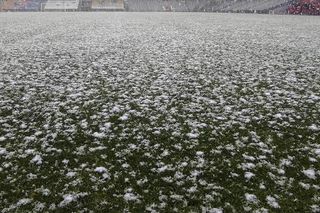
x=159, y=112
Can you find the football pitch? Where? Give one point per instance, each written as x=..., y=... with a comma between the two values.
x=159, y=112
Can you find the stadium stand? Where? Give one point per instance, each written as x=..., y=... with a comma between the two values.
x=166, y=5
x=113, y=5
x=145, y=5
x=8, y=5
x=21, y=5
x=301, y=7
x=260, y=6
x=62, y=5
x=304, y=7
x=85, y=5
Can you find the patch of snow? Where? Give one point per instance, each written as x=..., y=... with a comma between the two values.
x=278, y=116
x=29, y=151
x=192, y=189
x=272, y=202
x=199, y=153
x=162, y=169
x=3, y=151
x=129, y=196
x=251, y=198
x=213, y=210
x=304, y=185
x=23, y=126
x=39, y=207
x=115, y=109
x=37, y=160
x=314, y=127
x=315, y=208
x=67, y=199
x=125, y=165
x=101, y=170
x=124, y=117
x=247, y=157
x=192, y=135
x=99, y=135
x=249, y=175
x=248, y=166
x=107, y=125
x=71, y=174
x=310, y=173
x=38, y=133
x=24, y=201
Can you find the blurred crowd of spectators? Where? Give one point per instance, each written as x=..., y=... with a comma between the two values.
x=20, y=5
x=305, y=7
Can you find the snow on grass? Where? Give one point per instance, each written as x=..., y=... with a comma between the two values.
x=99, y=135
x=101, y=169
x=36, y=160
x=24, y=201
x=130, y=197
x=135, y=112
x=249, y=175
x=272, y=202
x=314, y=127
x=310, y=173
x=193, y=135
x=251, y=198
x=3, y=151
x=67, y=199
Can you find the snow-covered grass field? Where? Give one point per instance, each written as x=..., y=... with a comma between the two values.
x=165, y=112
